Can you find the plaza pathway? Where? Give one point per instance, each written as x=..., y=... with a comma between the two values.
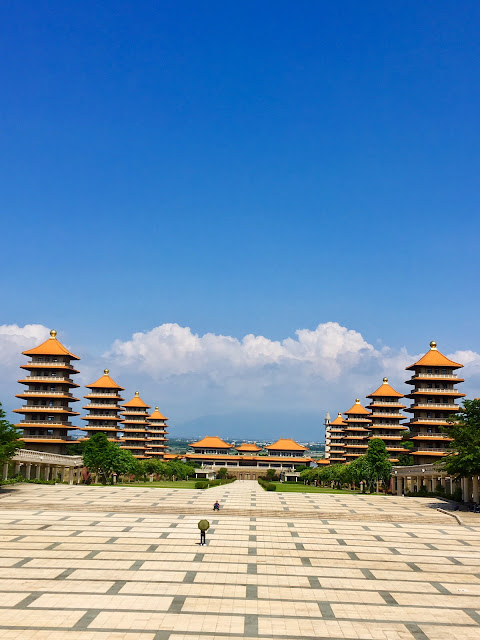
x=123, y=563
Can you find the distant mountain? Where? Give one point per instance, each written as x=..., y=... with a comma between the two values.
x=253, y=425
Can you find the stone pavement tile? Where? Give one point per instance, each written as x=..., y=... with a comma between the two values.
x=11, y=598
x=167, y=621
x=406, y=614
x=324, y=595
x=92, y=586
x=68, y=634
x=430, y=600
x=132, y=603
x=434, y=632
x=263, y=607
x=274, y=627
x=162, y=588
x=35, y=618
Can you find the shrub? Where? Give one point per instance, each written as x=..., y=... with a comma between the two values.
x=206, y=484
x=457, y=494
x=268, y=486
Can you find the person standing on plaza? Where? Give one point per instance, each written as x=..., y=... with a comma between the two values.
x=203, y=525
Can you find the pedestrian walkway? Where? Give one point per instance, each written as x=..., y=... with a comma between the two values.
x=89, y=570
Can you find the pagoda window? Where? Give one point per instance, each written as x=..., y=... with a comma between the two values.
x=54, y=374
x=429, y=385
x=444, y=371
x=51, y=388
x=429, y=371
x=429, y=414
x=437, y=370
x=50, y=418
x=37, y=387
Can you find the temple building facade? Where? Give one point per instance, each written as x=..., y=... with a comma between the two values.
x=103, y=408
x=356, y=431
x=48, y=396
x=246, y=462
x=135, y=427
x=434, y=397
x=385, y=415
x=334, y=435
x=157, y=435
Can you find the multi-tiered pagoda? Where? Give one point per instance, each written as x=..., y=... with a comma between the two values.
x=134, y=426
x=356, y=431
x=104, y=408
x=47, y=410
x=433, y=396
x=157, y=435
x=386, y=416
x=334, y=435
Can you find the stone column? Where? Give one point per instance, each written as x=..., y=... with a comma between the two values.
x=16, y=470
x=38, y=471
x=28, y=470
x=5, y=471
x=71, y=474
x=79, y=476
x=47, y=473
x=475, y=489
x=466, y=489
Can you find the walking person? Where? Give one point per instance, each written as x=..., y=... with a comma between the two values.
x=203, y=525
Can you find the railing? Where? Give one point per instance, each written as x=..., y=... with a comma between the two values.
x=422, y=420
x=102, y=405
x=427, y=449
x=437, y=392
x=101, y=393
x=50, y=423
x=46, y=393
x=443, y=405
x=28, y=436
x=387, y=424
x=434, y=375
x=26, y=455
x=379, y=403
x=47, y=365
x=438, y=436
x=43, y=407
x=49, y=379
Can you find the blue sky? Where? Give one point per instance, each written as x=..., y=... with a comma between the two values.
x=241, y=168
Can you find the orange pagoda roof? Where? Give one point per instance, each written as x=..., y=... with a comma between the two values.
x=105, y=382
x=357, y=409
x=51, y=347
x=211, y=442
x=286, y=444
x=248, y=447
x=156, y=415
x=338, y=420
x=385, y=390
x=434, y=358
x=136, y=401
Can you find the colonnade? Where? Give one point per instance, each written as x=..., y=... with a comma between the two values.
x=37, y=465
x=413, y=477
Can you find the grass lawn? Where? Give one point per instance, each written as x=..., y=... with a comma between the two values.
x=283, y=487
x=179, y=484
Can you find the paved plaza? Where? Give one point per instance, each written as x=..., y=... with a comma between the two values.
x=123, y=563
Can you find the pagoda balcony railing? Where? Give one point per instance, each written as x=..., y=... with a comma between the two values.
x=438, y=436
x=102, y=405
x=49, y=422
x=379, y=403
x=443, y=405
x=422, y=420
x=386, y=424
x=52, y=379
x=49, y=436
x=427, y=449
x=434, y=375
x=437, y=392
x=47, y=393
x=100, y=415
x=385, y=414
x=386, y=435
x=43, y=408
x=101, y=393
x=47, y=365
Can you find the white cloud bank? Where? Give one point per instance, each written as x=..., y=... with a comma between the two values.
x=191, y=375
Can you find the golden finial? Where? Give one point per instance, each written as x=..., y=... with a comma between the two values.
x=385, y=380
x=433, y=345
x=156, y=408
x=357, y=401
x=106, y=371
x=136, y=394
x=53, y=333
x=339, y=414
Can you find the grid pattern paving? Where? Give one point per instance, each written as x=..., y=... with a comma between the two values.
x=121, y=563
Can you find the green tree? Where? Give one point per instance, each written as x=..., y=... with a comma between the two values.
x=464, y=458
x=406, y=459
x=10, y=441
x=377, y=463
x=222, y=473
x=104, y=458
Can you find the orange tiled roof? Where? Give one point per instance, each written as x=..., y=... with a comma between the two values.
x=51, y=347
x=357, y=409
x=286, y=444
x=434, y=358
x=136, y=401
x=156, y=415
x=105, y=382
x=339, y=420
x=211, y=442
x=248, y=447
x=385, y=390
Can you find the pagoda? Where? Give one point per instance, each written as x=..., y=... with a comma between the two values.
x=47, y=410
x=157, y=435
x=247, y=448
x=104, y=408
x=356, y=431
x=334, y=436
x=385, y=408
x=433, y=397
x=135, y=426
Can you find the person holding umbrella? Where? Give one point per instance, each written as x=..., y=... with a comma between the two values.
x=203, y=525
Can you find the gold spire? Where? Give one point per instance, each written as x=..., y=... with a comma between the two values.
x=53, y=333
x=156, y=408
x=339, y=414
x=433, y=345
x=357, y=401
x=106, y=371
x=137, y=394
x=385, y=380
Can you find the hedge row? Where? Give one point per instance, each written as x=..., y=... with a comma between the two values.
x=206, y=484
x=268, y=486
x=17, y=479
